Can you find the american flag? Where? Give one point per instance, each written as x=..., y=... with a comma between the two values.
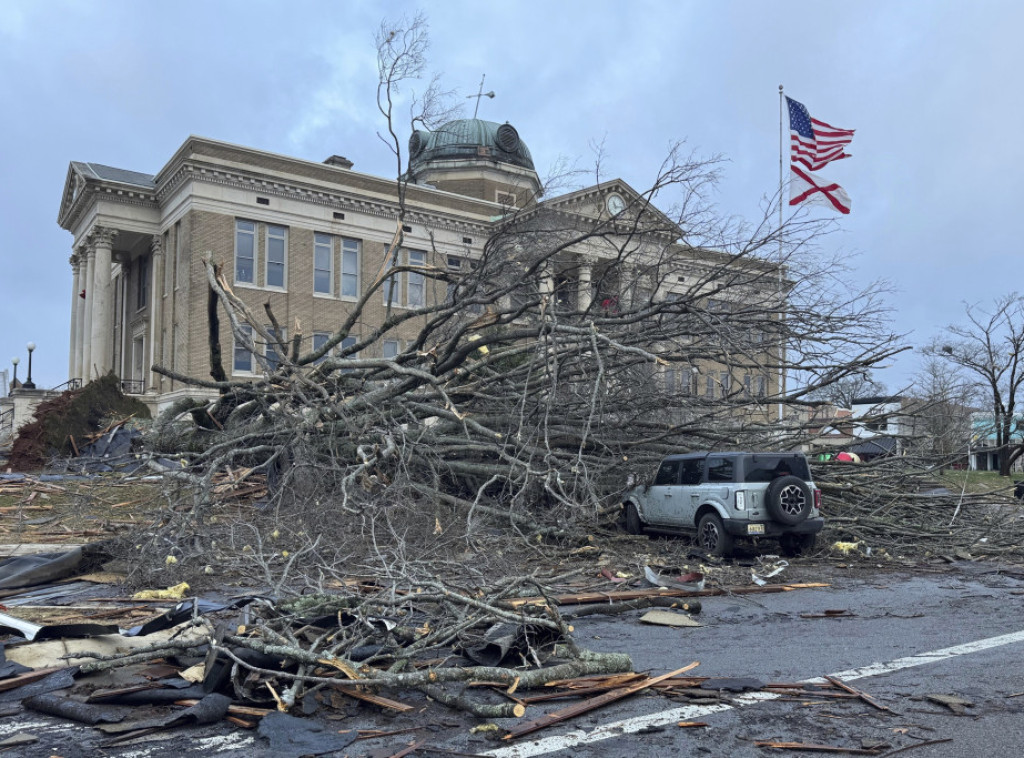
x=814, y=143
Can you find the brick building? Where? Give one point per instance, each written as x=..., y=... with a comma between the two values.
x=308, y=238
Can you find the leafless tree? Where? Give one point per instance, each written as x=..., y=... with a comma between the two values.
x=842, y=392
x=939, y=416
x=988, y=350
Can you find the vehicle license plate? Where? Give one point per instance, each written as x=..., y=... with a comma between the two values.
x=755, y=528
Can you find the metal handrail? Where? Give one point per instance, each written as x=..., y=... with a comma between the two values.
x=70, y=384
x=133, y=386
x=7, y=419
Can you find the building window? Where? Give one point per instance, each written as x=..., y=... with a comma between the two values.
x=277, y=244
x=245, y=251
x=273, y=359
x=347, y=344
x=726, y=381
x=710, y=387
x=390, y=349
x=762, y=386
x=391, y=286
x=142, y=284
x=180, y=265
x=243, y=358
x=748, y=385
x=454, y=263
x=323, y=264
x=319, y=340
x=415, y=287
x=168, y=265
x=350, y=267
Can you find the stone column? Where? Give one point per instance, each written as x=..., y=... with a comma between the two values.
x=102, y=306
x=85, y=321
x=76, y=287
x=586, y=293
x=156, y=311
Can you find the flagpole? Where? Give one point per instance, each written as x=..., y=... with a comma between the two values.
x=782, y=367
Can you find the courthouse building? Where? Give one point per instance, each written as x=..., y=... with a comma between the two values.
x=303, y=236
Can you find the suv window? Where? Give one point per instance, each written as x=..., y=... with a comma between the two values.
x=764, y=468
x=668, y=473
x=720, y=469
x=692, y=470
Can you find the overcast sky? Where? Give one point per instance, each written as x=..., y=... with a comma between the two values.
x=927, y=85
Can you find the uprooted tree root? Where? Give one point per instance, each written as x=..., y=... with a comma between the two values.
x=71, y=415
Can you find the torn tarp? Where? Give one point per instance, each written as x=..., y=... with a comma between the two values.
x=518, y=641
x=42, y=568
x=290, y=736
x=179, y=614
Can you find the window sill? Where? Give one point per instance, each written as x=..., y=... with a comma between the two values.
x=261, y=288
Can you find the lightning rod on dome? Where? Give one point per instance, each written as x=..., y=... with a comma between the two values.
x=480, y=94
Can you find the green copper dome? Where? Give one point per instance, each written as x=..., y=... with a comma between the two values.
x=469, y=139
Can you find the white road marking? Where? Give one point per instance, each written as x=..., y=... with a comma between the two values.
x=694, y=712
x=215, y=745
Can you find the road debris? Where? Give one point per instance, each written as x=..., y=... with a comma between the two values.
x=591, y=704
x=668, y=618
x=862, y=695
x=955, y=703
x=770, y=569
x=812, y=747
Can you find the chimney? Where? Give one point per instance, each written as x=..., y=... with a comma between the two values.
x=339, y=160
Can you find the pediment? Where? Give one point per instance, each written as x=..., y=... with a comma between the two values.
x=118, y=184
x=612, y=201
x=74, y=184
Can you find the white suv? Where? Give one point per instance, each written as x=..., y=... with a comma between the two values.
x=722, y=496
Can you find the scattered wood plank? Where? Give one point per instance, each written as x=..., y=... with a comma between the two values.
x=862, y=695
x=817, y=748
x=621, y=595
x=591, y=704
x=234, y=710
x=27, y=678
x=368, y=697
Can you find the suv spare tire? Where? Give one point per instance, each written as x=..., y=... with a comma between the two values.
x=789, y=500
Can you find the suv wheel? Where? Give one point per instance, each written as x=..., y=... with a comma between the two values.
x=633, y=523
x=712, y=537
x=789, y=500
x=793, y=545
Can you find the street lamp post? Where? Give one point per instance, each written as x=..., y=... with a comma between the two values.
x=15, y=361
x=28, y=382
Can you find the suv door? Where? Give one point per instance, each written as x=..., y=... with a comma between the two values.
x=660, y=500
x=717, y=484
x=690, y=479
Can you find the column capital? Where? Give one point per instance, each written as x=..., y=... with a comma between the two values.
x=102, y=235
x=156, y=245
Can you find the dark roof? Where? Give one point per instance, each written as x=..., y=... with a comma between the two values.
x=120, y=175
x=469, y=139
x=877, y=400
x=875, y=446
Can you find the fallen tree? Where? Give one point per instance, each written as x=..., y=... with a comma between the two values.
x=569, y=356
